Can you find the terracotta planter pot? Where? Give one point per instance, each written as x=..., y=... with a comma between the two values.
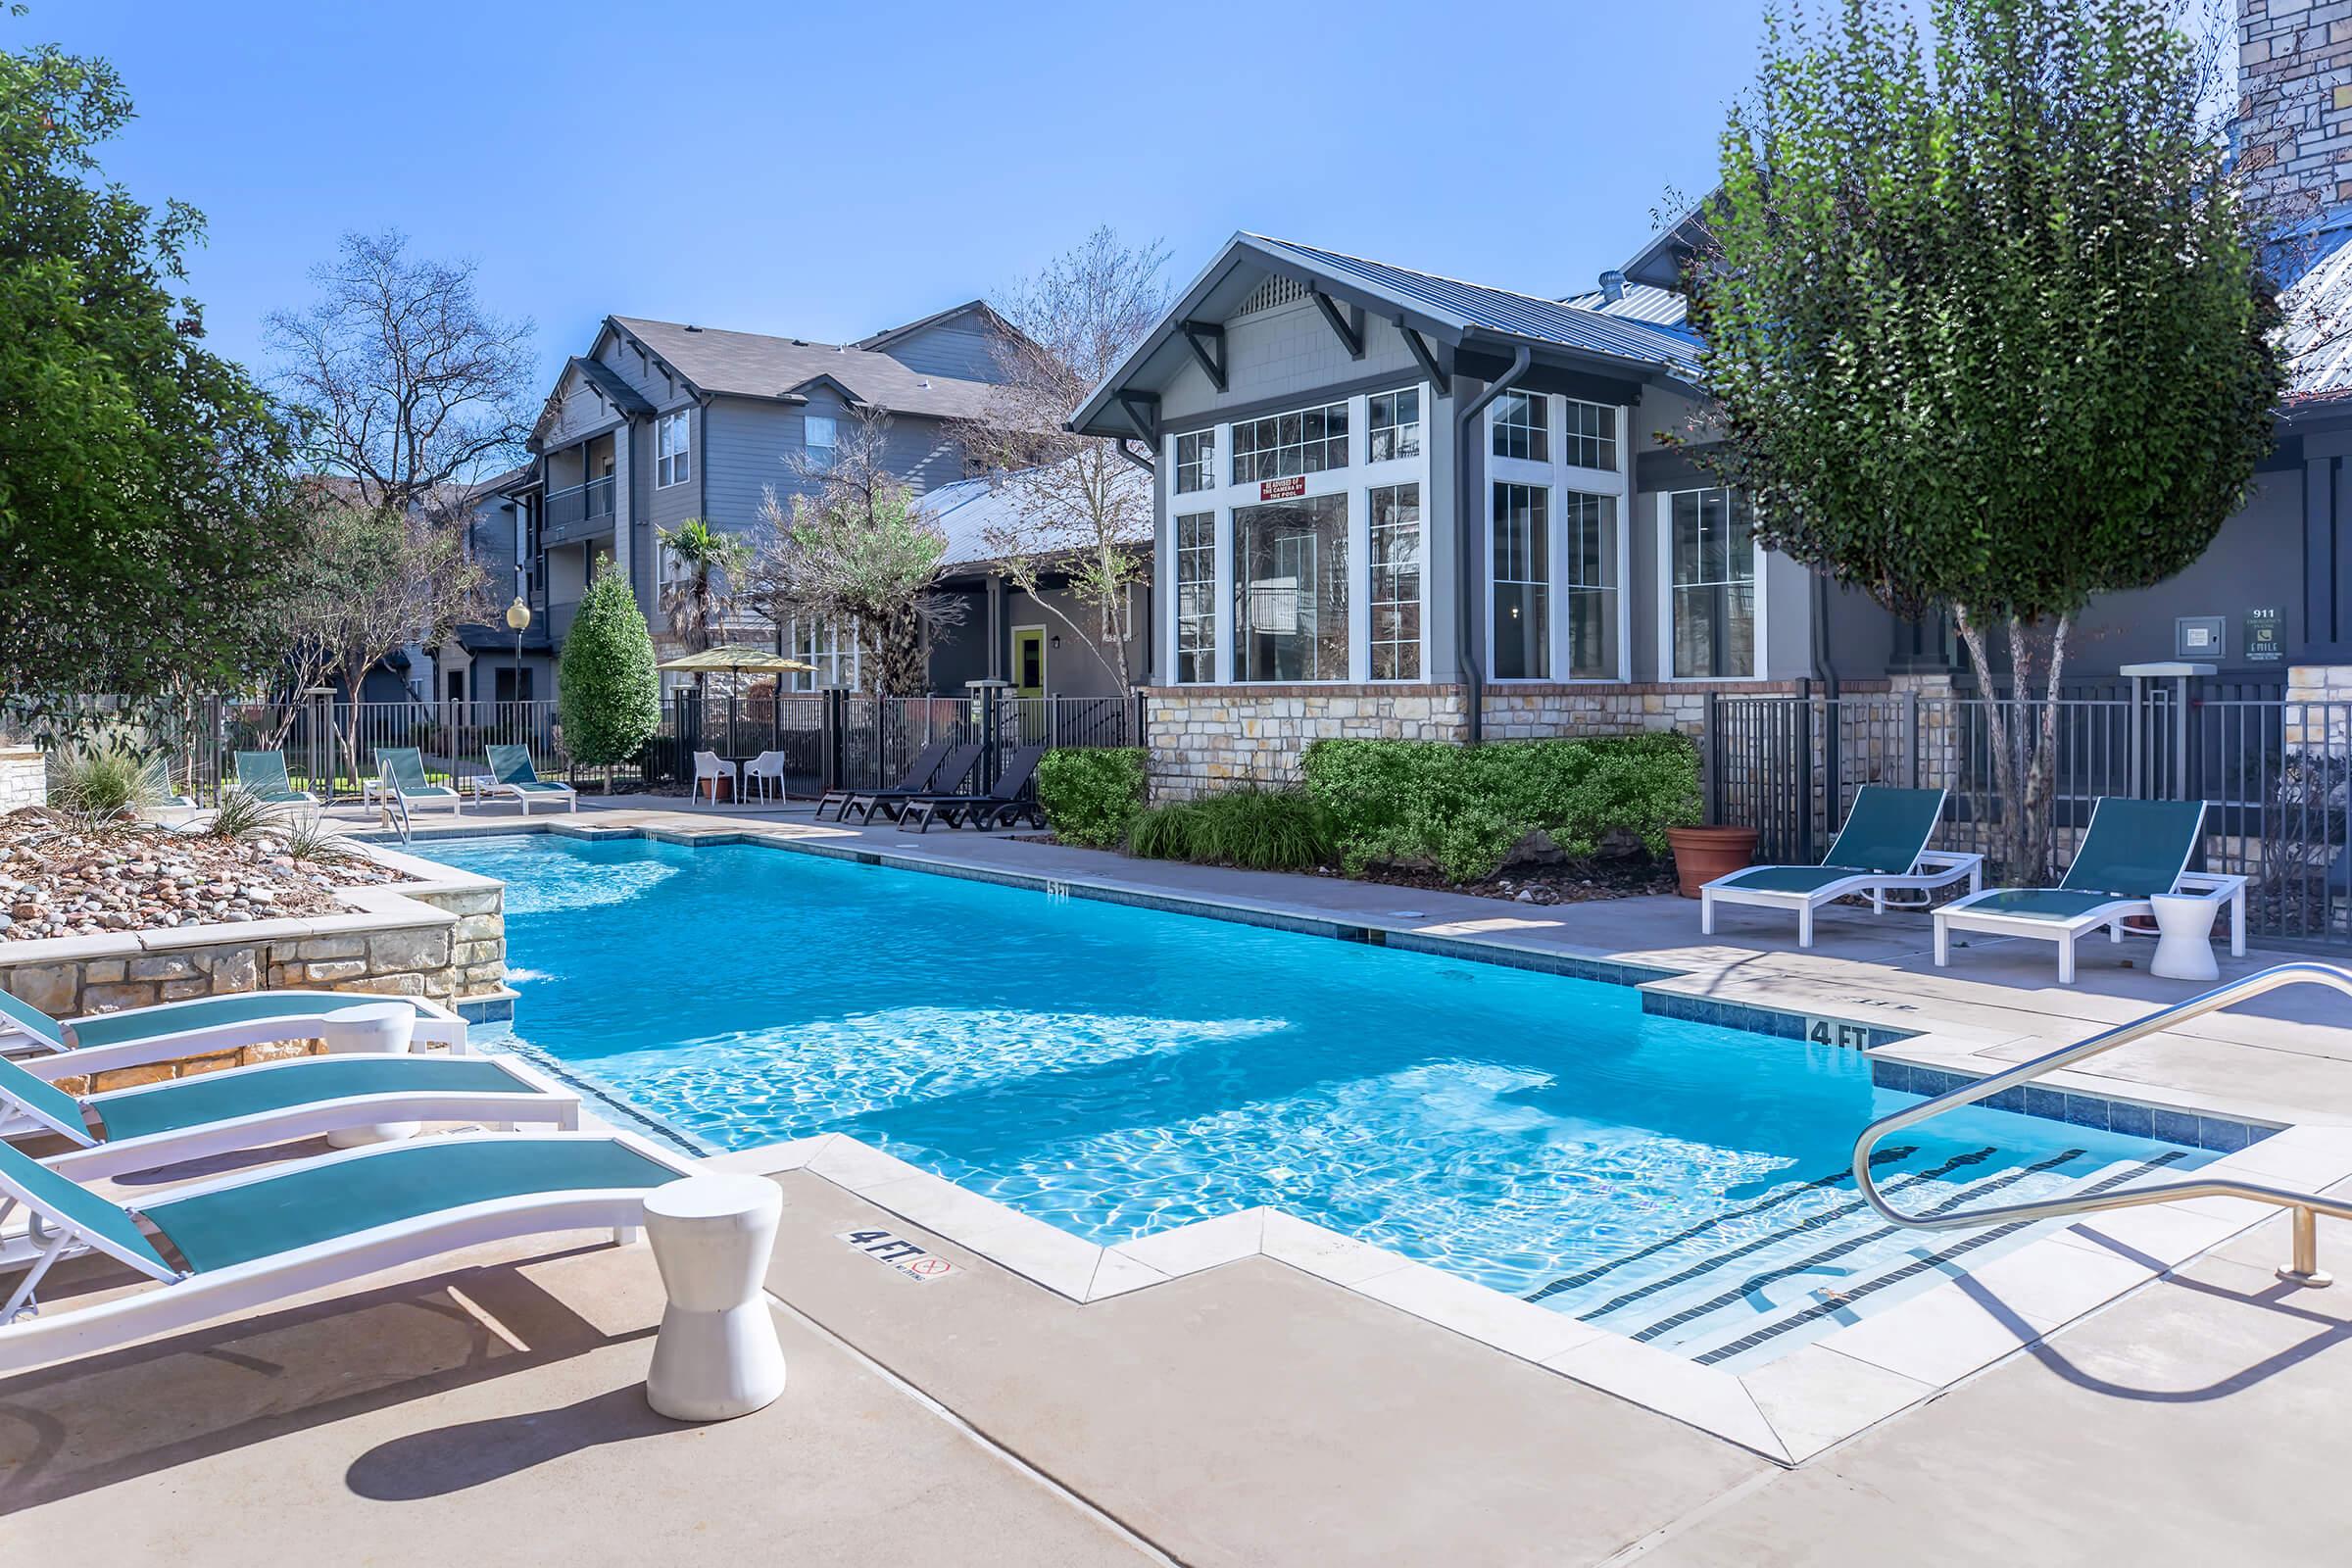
x=1703, y=854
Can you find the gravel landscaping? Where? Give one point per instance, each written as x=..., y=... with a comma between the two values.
x=60, y=878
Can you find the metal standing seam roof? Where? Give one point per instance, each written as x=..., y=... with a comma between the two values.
x=2317, y=334
x=1641, y=302
x=974, y=514
x=1507, y=312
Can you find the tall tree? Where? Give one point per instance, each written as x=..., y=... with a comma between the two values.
x=144, y=482
x=857, y=553
x=1077, y=511
x=404, y=381
x=700, y=598
x=1984, y=328
x=371, y=579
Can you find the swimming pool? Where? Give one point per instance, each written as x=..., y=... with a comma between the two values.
x=1118, y=1070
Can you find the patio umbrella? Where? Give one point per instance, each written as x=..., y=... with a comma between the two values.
x=737, y=657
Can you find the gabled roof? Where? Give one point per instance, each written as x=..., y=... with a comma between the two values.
x=974, y=514
x=889, y=336
x=611, y=383
x=2316, y=334
x=1640, y=302
x=754, y=365
x=1446, y=310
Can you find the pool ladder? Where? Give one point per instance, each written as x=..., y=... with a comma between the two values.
x=2303, y=1269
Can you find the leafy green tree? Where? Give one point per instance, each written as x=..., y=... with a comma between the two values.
x=144, y=517
x=608, y=694
x=1984, y=327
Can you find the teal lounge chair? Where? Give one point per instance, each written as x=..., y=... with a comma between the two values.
x=269, y=1235
x=1882, y=848
x=136, y=1036
x=276, y=1101
x=400, y=782
x=513, y=775
x=2132, y=851
x=263, y=774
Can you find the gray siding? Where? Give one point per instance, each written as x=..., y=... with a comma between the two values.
x=754, y=445
x=961, y=346
x=1291, y=351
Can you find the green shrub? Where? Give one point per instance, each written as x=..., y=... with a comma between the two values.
x=1256, y=829
x=1091, y=797
x=1461, y=809
x=608, y=694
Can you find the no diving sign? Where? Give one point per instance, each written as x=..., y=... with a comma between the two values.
x=913, y=1261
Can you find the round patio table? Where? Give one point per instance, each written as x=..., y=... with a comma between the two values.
x=718, y=1355
x=2184, y=938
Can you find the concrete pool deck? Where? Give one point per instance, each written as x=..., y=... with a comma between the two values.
x=1255, y=1406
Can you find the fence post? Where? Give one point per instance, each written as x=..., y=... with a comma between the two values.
x=831, y=719
x=1804, y=772
x=1141, y=740
x=1911, y=740
x=991, y=726
x=1714, y=744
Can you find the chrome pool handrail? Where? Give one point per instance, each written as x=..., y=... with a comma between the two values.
x=2304, y=1269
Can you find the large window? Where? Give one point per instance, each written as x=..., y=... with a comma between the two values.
x=1520, y=419
x=1522, y=583
x=1393, y=425
x=831, y=647
x=1197, y=598
x=1588, y=436
x=1282, y=444
x=820, y=434
x=1196, y=462
x=1712, y=571
x=1290, y=590
x=1589, y=580
x=1395, y=583
x=673, y=464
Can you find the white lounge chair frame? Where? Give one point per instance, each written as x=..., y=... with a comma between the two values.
x=435, y=1025
x=2216, y=888
x=183, y=1300
x=1934, y=869
x=547, y=1103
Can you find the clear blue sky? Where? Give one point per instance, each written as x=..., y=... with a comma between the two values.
x=830, y=170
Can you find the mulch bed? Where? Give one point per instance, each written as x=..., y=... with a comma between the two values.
x=62, y=878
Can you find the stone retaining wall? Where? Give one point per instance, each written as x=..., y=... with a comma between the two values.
x=444, y=940
x=23, y=778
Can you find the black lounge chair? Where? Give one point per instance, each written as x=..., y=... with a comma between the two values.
x=921, y=774
x=1001, y=806
x=946, y=779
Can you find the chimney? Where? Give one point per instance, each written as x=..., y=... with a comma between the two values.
x=1612, y=285
x=2292, y=138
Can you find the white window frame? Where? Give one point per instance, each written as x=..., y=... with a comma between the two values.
x=1356, y=482
x=1665, y=564
x=809, y=449
x=836, y=636
x=1559, y=476
x=679, y=459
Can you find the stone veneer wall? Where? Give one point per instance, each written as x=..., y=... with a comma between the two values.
x=444, y=960
x=23, y=778
x=1204, y=738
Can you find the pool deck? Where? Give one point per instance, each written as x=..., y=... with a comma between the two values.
x=1255, y=1404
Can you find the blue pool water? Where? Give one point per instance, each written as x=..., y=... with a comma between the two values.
x=1118, y=1071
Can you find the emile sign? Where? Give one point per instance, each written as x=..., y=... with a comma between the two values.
x=2266, y=642
x=1282, y=489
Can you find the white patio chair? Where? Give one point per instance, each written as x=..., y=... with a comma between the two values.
x=709, y=768
x=766, y=770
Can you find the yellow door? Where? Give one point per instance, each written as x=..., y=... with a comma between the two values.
x=1028, y=662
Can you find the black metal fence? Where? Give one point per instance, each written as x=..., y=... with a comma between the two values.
x=331, y=746
x=2276, y=773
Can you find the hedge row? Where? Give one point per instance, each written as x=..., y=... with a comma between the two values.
x=1462, y=807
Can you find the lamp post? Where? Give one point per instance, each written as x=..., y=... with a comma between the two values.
x=519, y=622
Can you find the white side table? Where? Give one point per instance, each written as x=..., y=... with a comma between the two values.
x=717, y=1357
x=2184, y=938
x=372, y=1028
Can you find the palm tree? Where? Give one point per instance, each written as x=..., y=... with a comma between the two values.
x=698, y=602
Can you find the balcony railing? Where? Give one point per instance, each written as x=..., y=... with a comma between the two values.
x=580, y=511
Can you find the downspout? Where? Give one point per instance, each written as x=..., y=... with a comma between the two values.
x=1466, y=532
